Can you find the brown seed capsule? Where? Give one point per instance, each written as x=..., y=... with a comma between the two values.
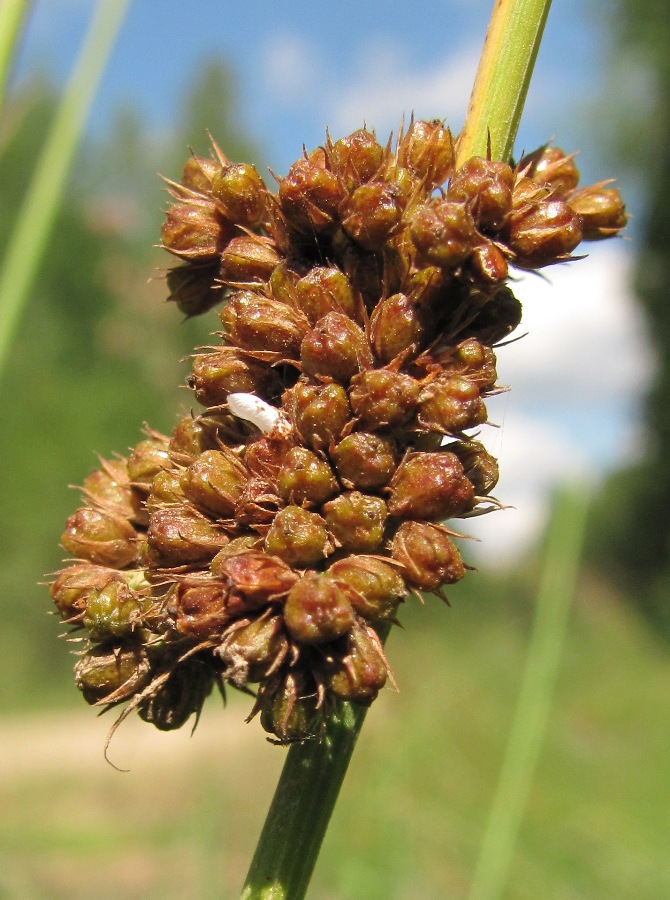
x=290, y=707
x=234, y=547
x=193, y=289
x=214, y=482
x=254, y=322
x=324, y=290
x=71, y=590
x=230, y=371
x=109, y=489
x=355, y=158
x=165, y=491
x=305, y=478
x=248, y=259
x=103, y=538
x=298, y=537
x=372, y=214
x=601, y=211
x=550, y=167
x=198, y=608
x=255, y=579
x=498, y=318
x=190, y=438
x=199, y=172
x=486, y=186
x=396, y=326
x=443, y=233
x=265, y=456
x=542, y=233
x=117, y=672
x=382, y=398
x=195, y=230
x=112, y=612
x=427, y=150
x=357, y=672
x=472, y=360
x=241, y=195
x=365, y=461
x=429, y=556
x=450, y=405
x=335, y=348
x=180, y=697
x=309, y=196
x=257, y=504
x=357, y=521
x=252, y=650
x=376, y=588
x=488, y=263
x=317, y=610
x=179, y=535
x=319, y=413
x=478, y=465
x=430, y=486
x=148, y=459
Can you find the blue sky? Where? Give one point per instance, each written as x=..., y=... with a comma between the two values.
x=302, y=66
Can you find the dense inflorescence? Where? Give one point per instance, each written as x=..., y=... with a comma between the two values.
x=272, y=536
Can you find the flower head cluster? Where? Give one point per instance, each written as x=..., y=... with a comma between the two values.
x=267, y=540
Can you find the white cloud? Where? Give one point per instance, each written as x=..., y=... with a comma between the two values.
x=383, y=85
x=290, y=68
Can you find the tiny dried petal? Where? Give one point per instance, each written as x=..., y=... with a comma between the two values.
x=198, y=608
x=251, y=650
x=317, y=610
x=430, y=558
x=430, y=486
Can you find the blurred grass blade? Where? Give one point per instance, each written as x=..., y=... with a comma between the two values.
x=40, y=206
x=12, y=16
x=564, y=545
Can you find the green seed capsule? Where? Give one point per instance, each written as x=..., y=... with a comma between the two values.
x=479, y=466
x=450, y=405
x=111, y=672
x=230, y=371
x=310, y=196
x=365, y=461
x=298, y=537
x=179, y=535
x=305, y=478
x=148, y=459
x=193, y=288
x=542, y=233
x=397, y=326
x=317, y=610
x=241, y=195
x=357, y=521
x=601, y=211
x=103, y=538
x=325, y=290
x=377, y=588
x=248, y=259
x=112, y=612
x=74, y=585
x=214, y=482
x=289, y=707
x=358, y=672
x=551, y=168
x=319, y=413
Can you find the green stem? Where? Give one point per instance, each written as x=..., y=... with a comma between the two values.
x=313, y=773
x=502, y=80
x=301, y=809
x=40, y=206
x=12, y=16
x=526, y=735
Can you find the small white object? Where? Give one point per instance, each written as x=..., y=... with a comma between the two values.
x=252, y=409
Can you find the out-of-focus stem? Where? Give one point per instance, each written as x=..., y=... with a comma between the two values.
x=502, y=80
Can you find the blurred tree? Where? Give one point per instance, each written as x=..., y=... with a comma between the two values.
x=631, y=528
x=97, y=353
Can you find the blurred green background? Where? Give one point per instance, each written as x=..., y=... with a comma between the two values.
x=95, y=356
